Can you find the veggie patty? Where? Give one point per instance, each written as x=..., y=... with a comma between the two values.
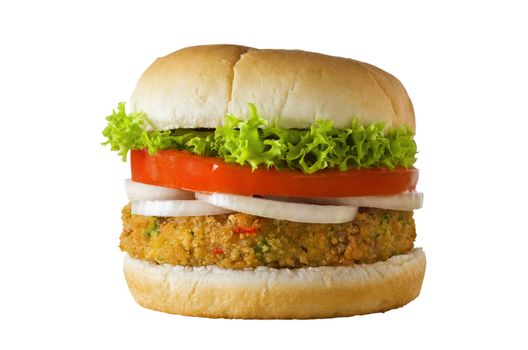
x=240, y=240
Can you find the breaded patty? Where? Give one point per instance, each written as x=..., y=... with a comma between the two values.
x=240, y=240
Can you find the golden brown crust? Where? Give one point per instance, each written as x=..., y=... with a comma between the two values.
x=277, y=293
x=196, y=87
x=374, y=235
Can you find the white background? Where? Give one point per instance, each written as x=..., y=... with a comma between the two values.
x=64, y=66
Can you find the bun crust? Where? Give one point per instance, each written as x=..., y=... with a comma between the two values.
x=195, y=87
x=267, y=293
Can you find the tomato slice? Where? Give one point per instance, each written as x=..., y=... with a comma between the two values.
x=179, y=169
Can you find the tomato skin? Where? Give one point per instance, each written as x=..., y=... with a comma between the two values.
x=180, y=169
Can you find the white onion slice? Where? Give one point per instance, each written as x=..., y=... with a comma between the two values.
x=176, y=208
x=137, y=191
x=405, y=201
x=298, y=212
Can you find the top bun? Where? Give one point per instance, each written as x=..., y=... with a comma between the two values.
x=197, y=86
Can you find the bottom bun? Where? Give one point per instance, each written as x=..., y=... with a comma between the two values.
x=314, y=292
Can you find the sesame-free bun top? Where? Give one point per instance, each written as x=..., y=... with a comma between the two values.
x=197, y=86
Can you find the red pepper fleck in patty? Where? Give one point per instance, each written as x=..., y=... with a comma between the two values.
x=246, y=230
x=217, y=250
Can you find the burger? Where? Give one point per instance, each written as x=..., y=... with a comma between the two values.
x=268, y=184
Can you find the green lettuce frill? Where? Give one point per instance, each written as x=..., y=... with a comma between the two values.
x=256, y=143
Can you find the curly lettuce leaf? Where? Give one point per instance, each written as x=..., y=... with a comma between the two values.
x=255, y=143
x=242, y=142
x=125, y=132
